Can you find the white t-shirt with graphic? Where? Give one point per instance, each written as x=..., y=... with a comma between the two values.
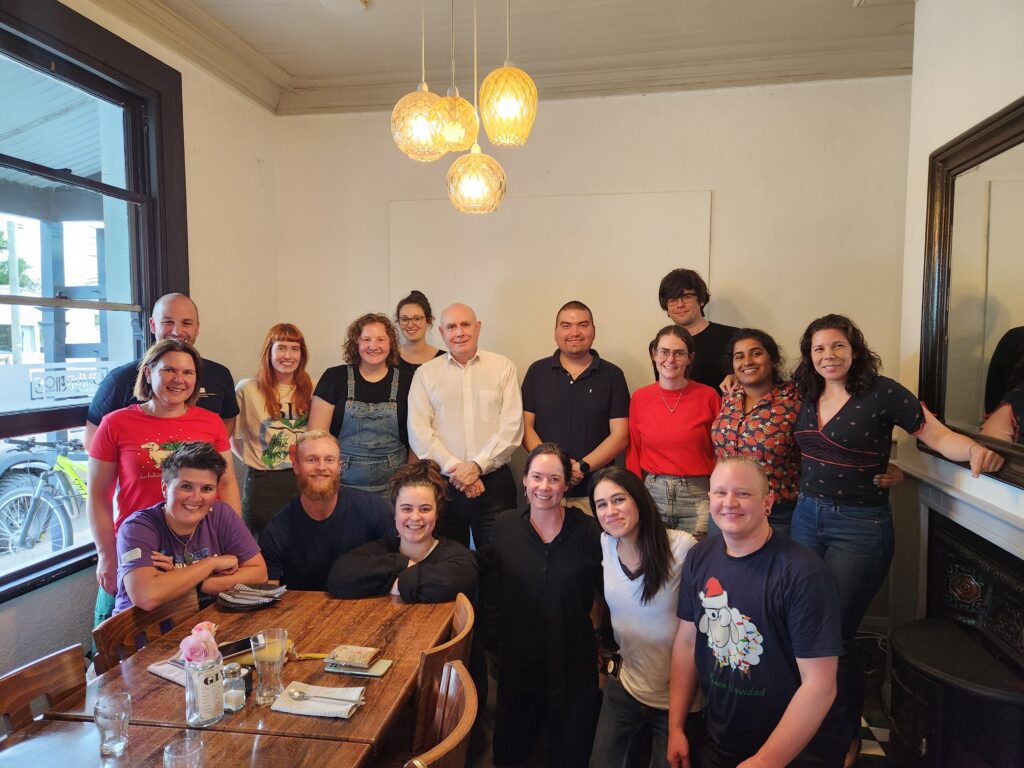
x=258, y=440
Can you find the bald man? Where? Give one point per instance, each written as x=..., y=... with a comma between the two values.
x=466, y=413
x=759, y=631
x=175, y=316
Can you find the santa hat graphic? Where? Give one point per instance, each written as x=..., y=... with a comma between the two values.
x=713, y=595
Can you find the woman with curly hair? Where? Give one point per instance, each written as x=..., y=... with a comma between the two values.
x=844, y=431
x=273, y=407
x=364, y=404
x=414, y=564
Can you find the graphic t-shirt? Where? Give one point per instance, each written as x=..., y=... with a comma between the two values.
x=138, y=443
x=839, y=461
x=221, y=532
x=755, y=616
x=266, y=441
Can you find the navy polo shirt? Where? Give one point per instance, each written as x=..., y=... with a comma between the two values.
x=575, y=413
x=216, y=391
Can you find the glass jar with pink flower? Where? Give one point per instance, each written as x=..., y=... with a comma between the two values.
x=204, y=683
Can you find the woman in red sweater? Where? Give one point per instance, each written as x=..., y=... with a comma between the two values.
x=670, y=434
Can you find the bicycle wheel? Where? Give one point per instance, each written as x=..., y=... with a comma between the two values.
x=50, y=524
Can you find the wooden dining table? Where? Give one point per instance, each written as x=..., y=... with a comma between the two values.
x=316, y=623
x=77, y=743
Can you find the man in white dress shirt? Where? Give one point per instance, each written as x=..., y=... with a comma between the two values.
x=466, y=413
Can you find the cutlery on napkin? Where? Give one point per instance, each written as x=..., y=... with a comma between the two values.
x=353, y=699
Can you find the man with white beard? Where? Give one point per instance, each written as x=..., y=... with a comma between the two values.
x=322, y=523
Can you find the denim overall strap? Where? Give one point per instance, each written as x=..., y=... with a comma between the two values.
x=370, y=447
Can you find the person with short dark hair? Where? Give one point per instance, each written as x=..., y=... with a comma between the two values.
x=176, y=317
x=844, y=431
x=766, y=655
x=415, y=565
x=415, y=318
x=541, y=571
x=190, y=540
x=365, y=404
x=131, y=444
x=324, y=521
x=577, y=399
x=684, y=295
x=670, y=434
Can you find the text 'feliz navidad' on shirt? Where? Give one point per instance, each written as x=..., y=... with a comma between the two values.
x=670, y=431
x=839, y=460
x=139, y=442
x=765, y=432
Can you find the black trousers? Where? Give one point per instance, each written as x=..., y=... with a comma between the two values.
x=569, y=722
x=463, y=514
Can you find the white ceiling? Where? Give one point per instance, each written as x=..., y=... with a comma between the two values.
x=310, y=56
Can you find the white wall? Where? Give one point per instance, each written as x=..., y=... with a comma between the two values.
x=807, y=185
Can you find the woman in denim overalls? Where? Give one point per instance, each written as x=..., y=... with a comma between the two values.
x=363, y=403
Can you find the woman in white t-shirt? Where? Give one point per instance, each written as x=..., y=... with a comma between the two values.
x=641, y=561
x=273, y=408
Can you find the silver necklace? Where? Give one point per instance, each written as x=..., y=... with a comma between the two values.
x=671, y=408
x=186, y=555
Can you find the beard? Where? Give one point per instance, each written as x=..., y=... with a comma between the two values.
x=319, y=487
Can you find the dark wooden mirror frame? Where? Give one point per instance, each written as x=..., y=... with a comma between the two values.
x=989, y=138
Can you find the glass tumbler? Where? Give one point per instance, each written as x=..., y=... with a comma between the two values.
x=186, y=752
x=268, y=649
x=112, y=713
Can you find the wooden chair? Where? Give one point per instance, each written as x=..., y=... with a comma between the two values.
x=54, y=676
x=122, y=635
x=453, y=720
x=432, y=663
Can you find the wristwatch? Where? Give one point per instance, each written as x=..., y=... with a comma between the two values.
x=584, y=467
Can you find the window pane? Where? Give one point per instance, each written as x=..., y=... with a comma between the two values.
x=63, y=241
x=42, y=498
x=57, y=357
x=46, y=121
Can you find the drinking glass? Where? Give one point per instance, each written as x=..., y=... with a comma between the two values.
x=186, y=752
x=268, y=650
x=112, y=713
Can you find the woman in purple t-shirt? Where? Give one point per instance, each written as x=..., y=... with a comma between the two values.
x=188, y=541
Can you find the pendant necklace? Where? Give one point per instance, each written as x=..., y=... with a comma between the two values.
x=186, y=555
x=671, y=408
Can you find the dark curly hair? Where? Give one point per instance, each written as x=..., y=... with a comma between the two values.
x=766, y=342
x=677, y=282
x=864, y=367
x=193, y=455
x=424, y=473
x=356, y=328
x=652, y=537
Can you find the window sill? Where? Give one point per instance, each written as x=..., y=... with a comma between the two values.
x=32, y=577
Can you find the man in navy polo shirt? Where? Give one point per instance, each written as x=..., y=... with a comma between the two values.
x=175, y=316
x=576, y=399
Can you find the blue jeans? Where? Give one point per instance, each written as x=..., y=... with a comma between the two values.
x=622, y=719
x=856, y=544
x=682, y=501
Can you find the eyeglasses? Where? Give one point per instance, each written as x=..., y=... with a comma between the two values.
x=414, y=320
x=686, y=298
x=676, y=354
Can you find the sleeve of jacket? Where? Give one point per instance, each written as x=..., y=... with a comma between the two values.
x=448, y=570
x=366, y=571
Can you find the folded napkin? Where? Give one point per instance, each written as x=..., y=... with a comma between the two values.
x=354, y=698
x=245, y=595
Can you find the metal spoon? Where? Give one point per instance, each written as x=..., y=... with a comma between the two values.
x=302, y=696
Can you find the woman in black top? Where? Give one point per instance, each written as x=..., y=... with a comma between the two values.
x=414, y=320
x=541, y=572
x=844, y=430
x=414, y=564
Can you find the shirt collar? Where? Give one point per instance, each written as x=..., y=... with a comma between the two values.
x=595, y=360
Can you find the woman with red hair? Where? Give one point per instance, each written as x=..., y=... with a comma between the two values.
x=273, y=408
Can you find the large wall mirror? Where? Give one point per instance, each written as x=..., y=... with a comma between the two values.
x=972, y=330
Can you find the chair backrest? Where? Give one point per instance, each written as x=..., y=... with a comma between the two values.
x=432, y=663
x=122, y=635
x=54, y=676
x=453, y=720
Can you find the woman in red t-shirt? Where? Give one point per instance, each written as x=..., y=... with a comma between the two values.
x=131, y=444
x=670, y=434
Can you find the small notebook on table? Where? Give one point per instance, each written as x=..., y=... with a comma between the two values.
x=356, y=660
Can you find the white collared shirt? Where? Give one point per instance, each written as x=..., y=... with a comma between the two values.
x=471, y=412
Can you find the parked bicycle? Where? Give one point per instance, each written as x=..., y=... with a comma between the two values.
x=42, y=489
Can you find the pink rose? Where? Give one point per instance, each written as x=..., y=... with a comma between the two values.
x=199, y=646
x=209, y=626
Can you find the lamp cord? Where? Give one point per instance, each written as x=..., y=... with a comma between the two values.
x=475, y=108
x=423, y=41
x=453, y=42
x=508, y=34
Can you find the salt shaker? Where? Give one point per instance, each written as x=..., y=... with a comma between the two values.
x=234, y=687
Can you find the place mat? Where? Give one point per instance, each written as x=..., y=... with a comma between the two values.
x=168, y=671
x=320, y=707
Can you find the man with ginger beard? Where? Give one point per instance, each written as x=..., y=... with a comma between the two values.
x=322, y=523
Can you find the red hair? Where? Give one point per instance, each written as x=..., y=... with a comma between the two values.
x=265, y=374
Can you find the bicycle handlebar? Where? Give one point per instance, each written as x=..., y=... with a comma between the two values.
x=61, y=445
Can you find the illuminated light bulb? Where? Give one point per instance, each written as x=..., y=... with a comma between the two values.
x=453, y=122
x=410, y=125
x=476, y=182
x=508, y=105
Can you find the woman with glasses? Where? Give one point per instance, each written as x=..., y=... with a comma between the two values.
x=670, y=434
x=414, y=320
x=364, y=403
